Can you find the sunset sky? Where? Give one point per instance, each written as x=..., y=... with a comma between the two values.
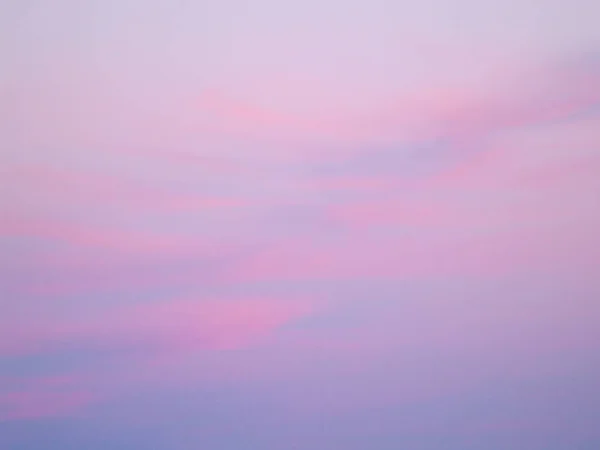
x=311, y=225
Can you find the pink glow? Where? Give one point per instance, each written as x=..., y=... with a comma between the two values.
x=193, y=324
x=43, y=397
x=308, y=225
x=35, y=405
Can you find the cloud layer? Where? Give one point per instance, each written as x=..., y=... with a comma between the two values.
x=226, y=225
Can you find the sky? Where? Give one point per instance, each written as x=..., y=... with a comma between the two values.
x=311, y=225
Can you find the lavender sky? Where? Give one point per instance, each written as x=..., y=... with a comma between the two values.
x=311, y=225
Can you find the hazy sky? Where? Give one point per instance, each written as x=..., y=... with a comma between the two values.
x=315, y=225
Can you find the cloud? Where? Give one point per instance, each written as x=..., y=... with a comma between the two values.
x=164, y=326
x=96, y=190
x=509, y=159
x=534, y=177
x=485, y=161
x=130, y=346
x=47, y=258
x=223, y=133
x=40, y=404
x=421, y=254
x=86, y=236
x=520, y=96
x=43, y=397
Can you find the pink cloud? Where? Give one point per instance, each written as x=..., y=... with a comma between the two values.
x=68, y=258
x=466, y=212
x=34, y=405
x=515, y=97
x=426, y=253
x=507, y=161
x=110, y=243
x=103, y=190
x=86, y=236
x=540, y=178
x=219, y=323
x=354, y=183
x=42, y=397
x=104, y=121
x=410, y=213
x=168, y=325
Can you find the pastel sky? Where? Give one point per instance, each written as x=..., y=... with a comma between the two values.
x=311, y=225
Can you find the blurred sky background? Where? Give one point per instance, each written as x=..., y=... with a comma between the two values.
x=311, y=225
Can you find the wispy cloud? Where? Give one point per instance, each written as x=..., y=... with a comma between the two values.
x=376, y=214
x=42, y=397
x=194, y=324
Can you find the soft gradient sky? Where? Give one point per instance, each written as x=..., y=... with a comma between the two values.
x=311, y=225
